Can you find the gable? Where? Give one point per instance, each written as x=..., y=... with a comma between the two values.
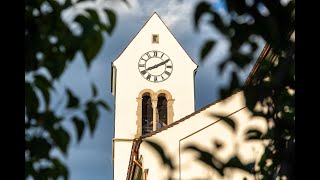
x=142, y=43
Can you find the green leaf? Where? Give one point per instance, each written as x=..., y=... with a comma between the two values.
x=241, y=59
x=55, y=5
x=92, y=116
x=48, y=119
x=253, y=134
x=112, y=20
x=38, y=147
x=234, y=82
x=226, y=119
x=46, y=96
x=165, y=160
x=91, y=39
x=73, y=101
x=91, y=45
x=42, y=81
x=47, y=172
x=67, y=4
x=31, y=100
x=55, y=67
x=93, y=16
x=94, y=90
x=239, y=6
x=28, y=169
x=103, y=104
x=61, y=138
x=201, y=9
x=79, y=124
x=43, y=84
x=83, y=21
x=218, y=23
x=60, y=168
x=225, y=92
x=251, y=97
x=206, y=48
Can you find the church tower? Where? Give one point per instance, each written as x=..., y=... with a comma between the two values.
x=153, y=85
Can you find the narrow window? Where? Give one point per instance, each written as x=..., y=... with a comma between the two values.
x=147, y=113
x=162, y=119
x=155, y=38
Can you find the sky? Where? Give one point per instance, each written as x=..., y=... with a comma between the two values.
x=92, y=157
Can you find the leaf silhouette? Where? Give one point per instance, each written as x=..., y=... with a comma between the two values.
x=207, y=158
x=166, y=160
x=206, y=48
x=226, y=119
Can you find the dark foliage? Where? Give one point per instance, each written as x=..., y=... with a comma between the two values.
x=272, y=86
x=50, y=46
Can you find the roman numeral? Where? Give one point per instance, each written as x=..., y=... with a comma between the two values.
x=142, y=65
x=149, y=76
x=155, y=54
x=143, y=72
x=168, y=73
x=169, y=66
x=143, y=59
x=148, y=55
x=155, y=78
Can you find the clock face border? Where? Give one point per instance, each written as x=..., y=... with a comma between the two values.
x=160, y=62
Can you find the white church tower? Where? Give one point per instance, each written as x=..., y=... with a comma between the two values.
x=153, y=85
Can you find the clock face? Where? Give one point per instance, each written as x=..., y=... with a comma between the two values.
x=155, y=66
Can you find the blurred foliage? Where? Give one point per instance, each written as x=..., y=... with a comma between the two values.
x=50, y=45
x=271, y=87
x=165, y=159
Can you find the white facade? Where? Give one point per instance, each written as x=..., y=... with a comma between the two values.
x=201, y=130
x=128, y=83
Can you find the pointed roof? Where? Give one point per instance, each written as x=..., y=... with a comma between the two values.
x=154, y=17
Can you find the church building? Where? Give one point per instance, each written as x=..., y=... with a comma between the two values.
x=153, y=82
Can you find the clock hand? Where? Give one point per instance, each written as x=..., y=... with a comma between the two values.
x=157, y=65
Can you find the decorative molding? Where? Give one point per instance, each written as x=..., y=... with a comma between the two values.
x=154, y=99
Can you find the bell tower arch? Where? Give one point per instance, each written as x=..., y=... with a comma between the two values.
x=154, y=110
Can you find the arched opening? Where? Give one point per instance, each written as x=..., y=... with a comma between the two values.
x=162, y=115
x=154, y=110
x=147, y=114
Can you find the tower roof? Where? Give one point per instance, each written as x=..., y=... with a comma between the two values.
x=154, y=24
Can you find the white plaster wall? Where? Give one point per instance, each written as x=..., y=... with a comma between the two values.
x=233, y=143
x=129, y=83
x=121, y=159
